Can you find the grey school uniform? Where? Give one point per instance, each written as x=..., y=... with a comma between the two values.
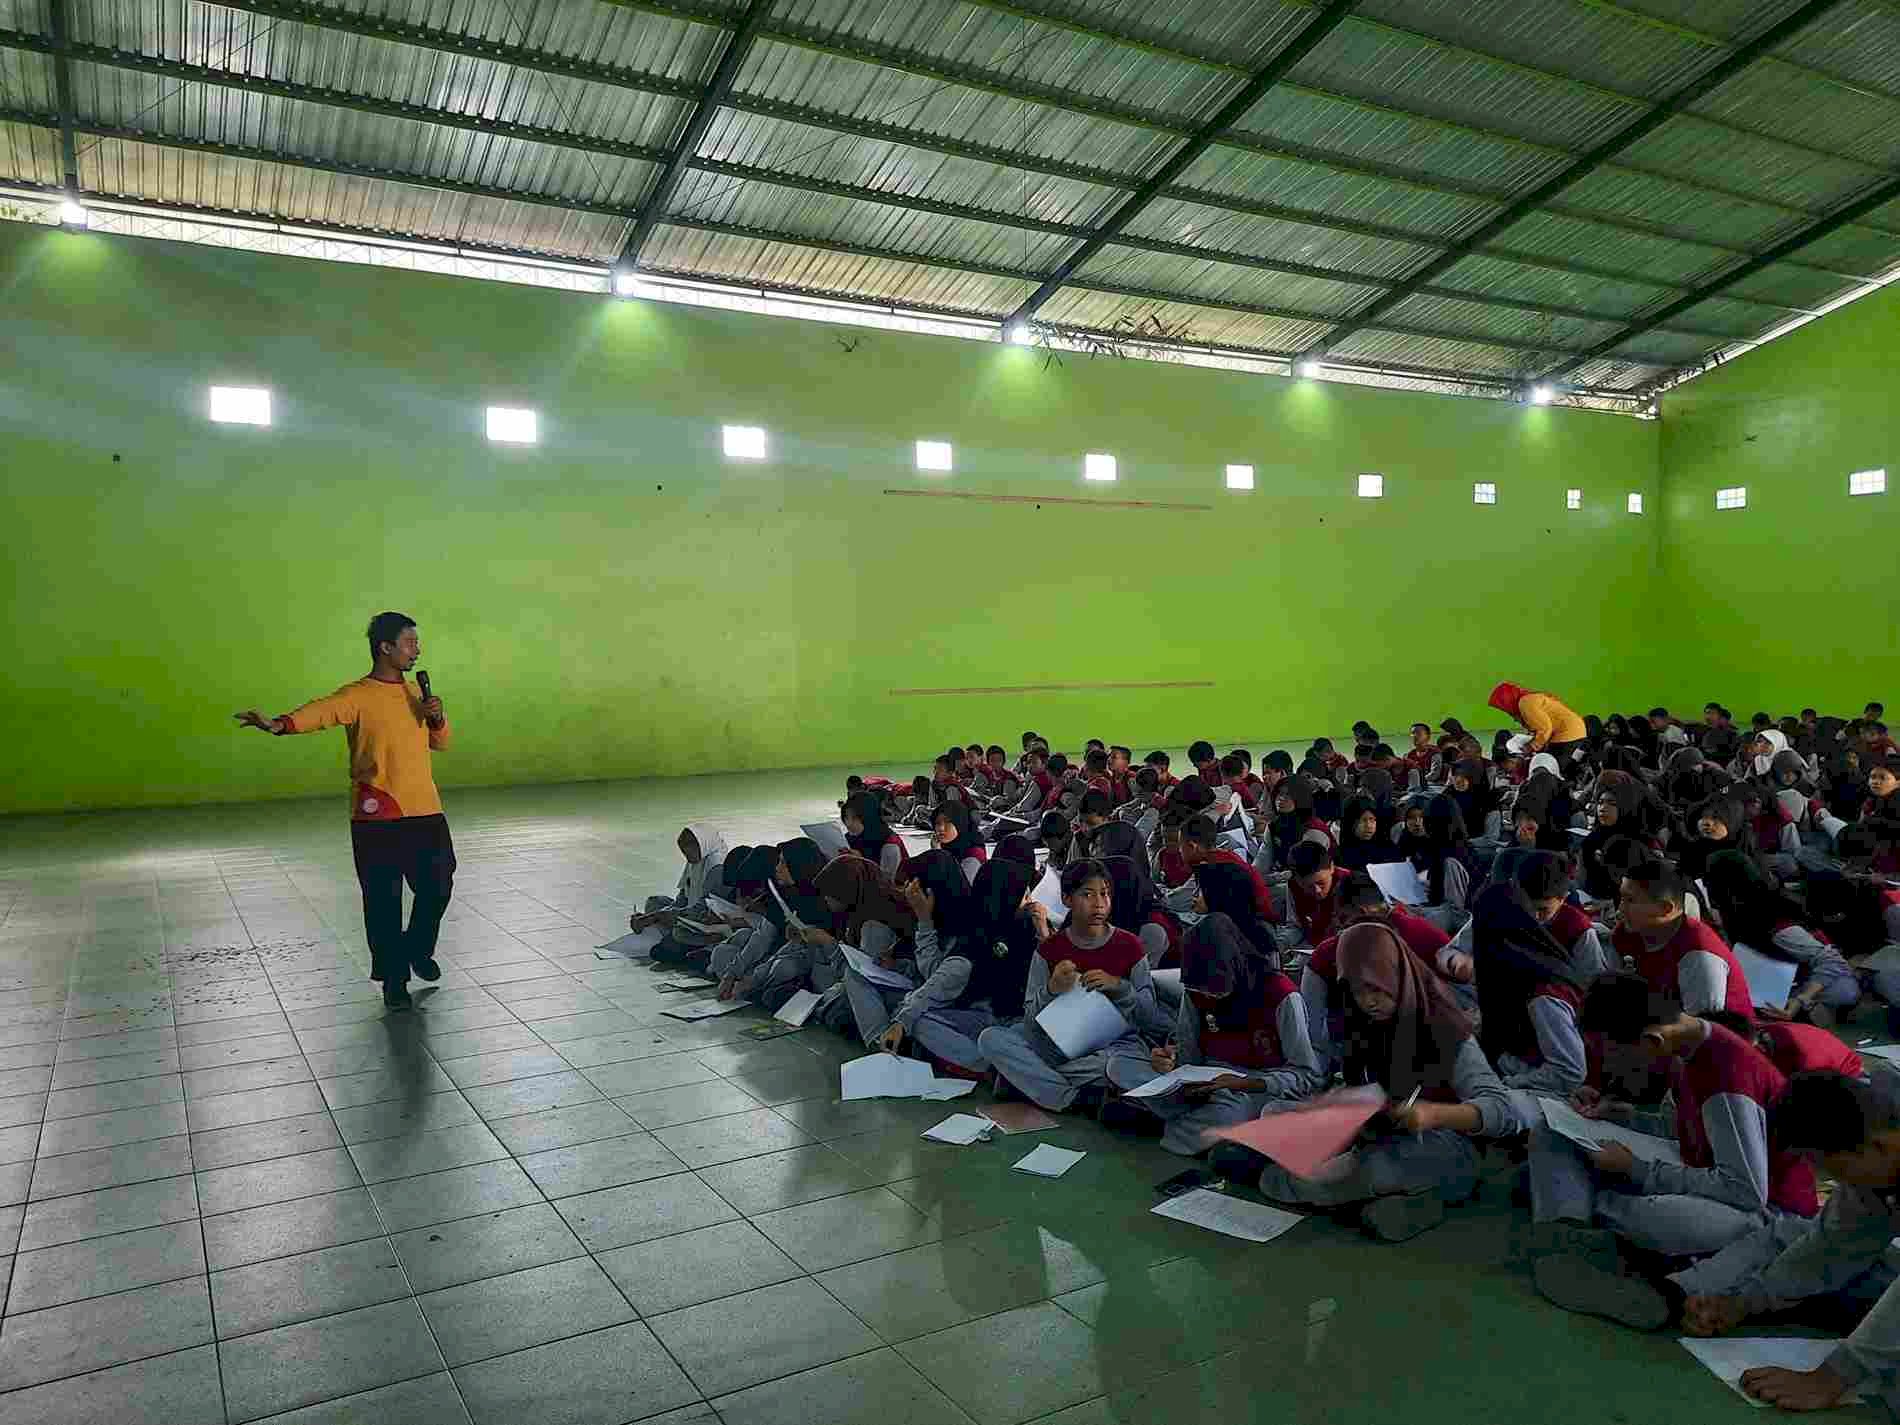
x=1440, y=1161
x=1024, y=1055
x=874, y=1006
x=1188, y=1120
x=1840, y=986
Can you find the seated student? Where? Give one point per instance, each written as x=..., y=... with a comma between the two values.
x=1883, y=793
x=1435, y=843
x=1143, y=811
x=1237, y=1012
x=877, y=918
x=955, y=831
x=1361, y=841
x=1795, y=1048
x=867, y=833
x=1160, y=761
x=734, y=881
x=770, y=967
x=1679, y=957
x=1470, y=787
x=1424, y=763
x=1095, y=771
x=1233, y=775
x=1295, y=819
x=993, y=958
x=994, y=778
x=1323, y=749
x=1530, y=984
x=704, y=851
x=911, y=805
x=1206, y=762
x=1616, y=816
x=939, y=898
x=1092, y=813
x=1066, y=786
x=1056, y=833
x=1731, y=1180
x=1200, y=845
x=1751, y=911
x=1325, y=997
x=1313, y=895
x=1226, y=889
x=1404, y=1032
x=1013, y=816
x=1091, y=952
x=1138, y=907
x=1121, y=784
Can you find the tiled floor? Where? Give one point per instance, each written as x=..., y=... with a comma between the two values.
x=231, y=1189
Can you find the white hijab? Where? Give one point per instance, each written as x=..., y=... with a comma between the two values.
x=696, y=880
x=1544, y=762
x=1777, y=742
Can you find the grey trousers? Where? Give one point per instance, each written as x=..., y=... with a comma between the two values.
x=1186, y=1120
x=1720, y=1274
x=952, y=1034
x=1038, y=1073
x=1564, y=1185
x=1439, y=1161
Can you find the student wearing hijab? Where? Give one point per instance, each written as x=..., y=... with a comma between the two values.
x=1750, y=911
x=867, y=833
x=1324, y=994
x=1362, y=840
x=704, y=851
x=993, y=959
x=1530, y=988
x=1406, y=1034
x=946, y=916
x=1228, y=890
x=877, y=918
x=1438, y=849
x=1138, y=906
x=1090, y=952
x=1295, y=819
x=955, y=831
x=771, y=968
x=1470, y=787
x=1616, y=816
x=1237, y=1012
x=1717, y=824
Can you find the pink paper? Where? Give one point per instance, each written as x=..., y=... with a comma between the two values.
x=1304, y=1139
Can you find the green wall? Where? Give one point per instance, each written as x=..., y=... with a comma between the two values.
x=1794, y=599
x=620, y=600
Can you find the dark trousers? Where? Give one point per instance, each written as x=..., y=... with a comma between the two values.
x=415, y=849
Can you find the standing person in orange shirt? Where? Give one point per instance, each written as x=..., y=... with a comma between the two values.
x=1553, y=727
x=397, y=829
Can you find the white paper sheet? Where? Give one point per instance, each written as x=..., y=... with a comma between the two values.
x=1593, y=1133
x=869, y=968
x=829, y=837
x=1047, y=1161
x=1770, y=981
x=796, y=1010
x=961, y=1129
x=1169, y=1082
x=943, y=1090
x=1168, y=982
x=1728, y=1357
x=791, y=916
x=636, y=944
x=704, y=1009
x=708, y=926
x=1400, y=882
x=1081, y=1022
x=720, y=905
x=1230, y=1216
x=884, y=1076
x=1049, y=891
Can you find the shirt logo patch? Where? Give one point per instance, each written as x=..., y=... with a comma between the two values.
x=371, y=806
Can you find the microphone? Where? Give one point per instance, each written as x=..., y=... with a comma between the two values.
x=422, y=682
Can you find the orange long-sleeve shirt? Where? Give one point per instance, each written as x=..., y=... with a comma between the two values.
x=390, y=744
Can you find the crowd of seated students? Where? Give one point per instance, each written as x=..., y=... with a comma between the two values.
x=1576, y=895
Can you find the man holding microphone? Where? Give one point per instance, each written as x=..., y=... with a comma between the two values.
x=397, y=830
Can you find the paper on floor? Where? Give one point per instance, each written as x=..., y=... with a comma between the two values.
x=704, y=1009
x=1728, y=1357
x=869, y=968
x=884, y=1076
x=1020, y=1117
x=1400, y=882
x=1593, y=1133
x=1230, y=1216
x=1169, y=1082
x=1302, y=1140
x=796, y=1010
x=961, y=1129
x=637, y=944
x=1770, y=981
x=1046, y=1160
x=1081, y=1021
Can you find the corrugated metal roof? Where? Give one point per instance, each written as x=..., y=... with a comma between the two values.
x=954, y=154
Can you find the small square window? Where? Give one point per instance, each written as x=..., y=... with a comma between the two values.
x=240, y=405
x=1735, y=497
x=1098, y=467
x=513, y=426
x=1483, y=492
x=744, y=442
x=1636, y=503
x=1240, y=477
x=1867, y=482
x=933, y=455
x=1372, y=487
x=1573, y=499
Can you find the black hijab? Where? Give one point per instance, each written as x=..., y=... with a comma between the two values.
x=1287, y=828
x=954, y=911
x=1477, y=801
x=1017, y=849
x=1220, y=961
x=1514, y=954
x=869, y=810
x=1002, y=941
x=1446, y=839
x=957, y=813
x=1228, y=891
x=1355, y=854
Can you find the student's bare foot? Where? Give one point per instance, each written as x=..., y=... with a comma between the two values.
x=1579, y=1285
x=1402, y=1216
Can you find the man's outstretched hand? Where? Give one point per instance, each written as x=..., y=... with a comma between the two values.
x=253, y=718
